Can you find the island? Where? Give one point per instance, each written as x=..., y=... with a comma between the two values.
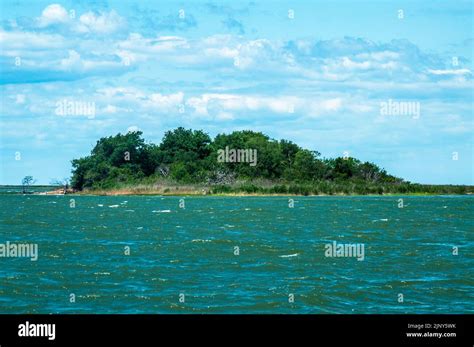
x=190, y=162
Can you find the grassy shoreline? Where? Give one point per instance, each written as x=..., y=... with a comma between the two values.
x=274, y=190
x=264, y=188
x=258, y=195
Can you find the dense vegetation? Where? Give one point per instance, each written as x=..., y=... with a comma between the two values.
x=191, y=157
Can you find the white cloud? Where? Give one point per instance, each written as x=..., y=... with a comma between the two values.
x=20, y=99
x=346, y=60
x=89, y=22
x=131, y=99
x=165, y=102
x=332, y=104
x=137, y=48
x=284, y=104
x=379, y=56
x=76, y=64
x=133, y=128
x=223, y=116
x=199, y=104
x=121, y=94
x=28, y=43
x=112, y=109
x=53, y=14
x=450, y=72
x=100, y=23
x=350, y=64
x=72, y=61
x=224, y=52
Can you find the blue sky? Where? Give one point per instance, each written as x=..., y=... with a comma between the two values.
x=314, y=72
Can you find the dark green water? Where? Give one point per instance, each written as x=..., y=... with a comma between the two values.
x=190, y=251
x=30, y=189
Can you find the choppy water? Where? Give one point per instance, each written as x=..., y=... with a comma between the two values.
x=30, y=189
x=190, y=251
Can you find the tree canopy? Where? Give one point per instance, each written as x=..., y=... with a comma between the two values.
x=190, y=156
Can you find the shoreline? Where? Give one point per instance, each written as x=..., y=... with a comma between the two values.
x=239, y=194
x=189, y=190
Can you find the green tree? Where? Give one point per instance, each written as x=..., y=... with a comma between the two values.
x=306, y=166
x=187, y=155
x=26, y=182
x=116, y=158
